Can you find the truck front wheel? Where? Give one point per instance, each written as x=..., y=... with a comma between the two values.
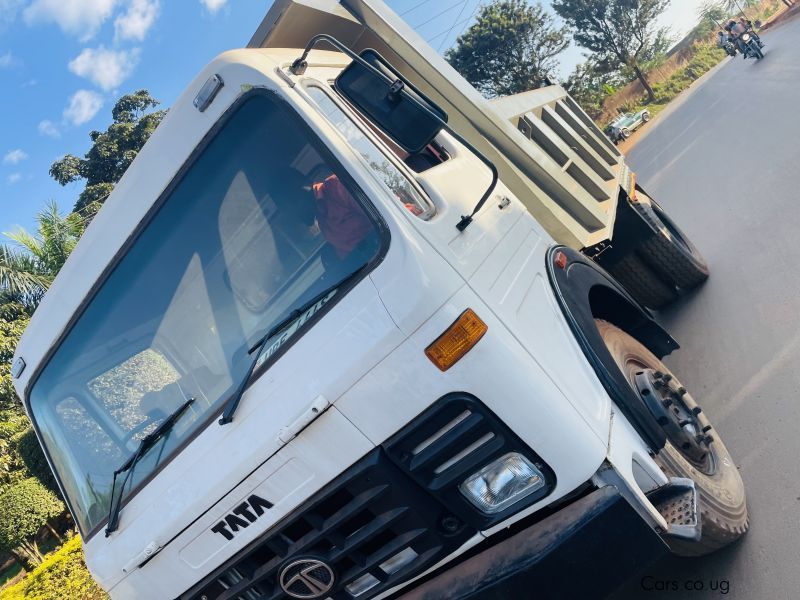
x=693, y=448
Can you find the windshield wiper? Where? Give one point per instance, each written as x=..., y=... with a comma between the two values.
x=145, y=444
x=280, y=326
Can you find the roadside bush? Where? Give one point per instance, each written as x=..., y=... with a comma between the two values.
x=25, y=508
x=705, y=57
x=30, y=452
x=62, y=575
x=12, y=424
x=13, y=321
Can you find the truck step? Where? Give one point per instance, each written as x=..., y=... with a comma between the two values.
x=677, y=503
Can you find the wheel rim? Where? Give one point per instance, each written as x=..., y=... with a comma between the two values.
x=673, y=230
x=679, y=417
x=677, y=413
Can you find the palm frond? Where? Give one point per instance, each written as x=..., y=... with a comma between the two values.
x=20, y=278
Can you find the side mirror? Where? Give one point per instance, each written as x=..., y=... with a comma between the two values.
x=404, y=113
x=401, y=111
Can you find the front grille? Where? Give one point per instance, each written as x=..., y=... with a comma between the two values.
x=391, y=516
x=374, y=527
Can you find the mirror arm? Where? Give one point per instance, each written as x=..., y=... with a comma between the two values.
x=300, y=65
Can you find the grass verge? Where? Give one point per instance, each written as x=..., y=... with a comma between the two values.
x=706, y=57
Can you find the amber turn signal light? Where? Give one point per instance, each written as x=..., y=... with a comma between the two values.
x=459, y=339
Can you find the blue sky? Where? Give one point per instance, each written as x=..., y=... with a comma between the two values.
x=64, y=62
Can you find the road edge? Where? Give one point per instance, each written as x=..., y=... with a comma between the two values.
x=674, y=105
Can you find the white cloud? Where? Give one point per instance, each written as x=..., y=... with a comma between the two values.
x=82, y=107
x=137, y=21
x=213, y=5
x=14, y=178
x=7, y=60
x=105, y=68
x=14, y=157
x=76, y=17
x=49, y=129
x=8, y=10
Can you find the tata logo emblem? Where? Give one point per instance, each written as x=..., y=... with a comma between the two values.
x=307, y=578
x=242, y=516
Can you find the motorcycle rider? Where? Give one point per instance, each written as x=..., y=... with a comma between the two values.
x=748, y=26
x=736, y=29
x=724, y=42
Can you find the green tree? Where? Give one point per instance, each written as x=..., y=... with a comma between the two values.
x=112, y=151
x=737, y=7
x=711, y=17
x=26, y=449
x=620, y=29
x=13, y=320
x=20, y=281
x=12, y=423
x=25, y=508
x=654, y=54
x=591, y=83
x=28, y=269
x=511, y=48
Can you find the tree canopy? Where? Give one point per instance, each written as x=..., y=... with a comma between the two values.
x=621, y=30
x=511, y=48
x=591, y=83
x=27, y=449
x=25, y=508
x=112, y=151
x=13, y=320
x=28, y=268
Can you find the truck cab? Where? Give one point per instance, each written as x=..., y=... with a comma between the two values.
x=281, y=364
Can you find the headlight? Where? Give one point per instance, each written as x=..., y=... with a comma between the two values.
x=501, y=483
x=746, y=37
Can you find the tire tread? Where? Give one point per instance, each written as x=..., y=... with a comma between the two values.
x=685, y=270
x=642, y=282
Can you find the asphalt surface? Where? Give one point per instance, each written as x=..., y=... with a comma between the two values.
x=724, y=164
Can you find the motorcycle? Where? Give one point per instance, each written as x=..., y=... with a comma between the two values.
x=751, y=45
x=730, y=48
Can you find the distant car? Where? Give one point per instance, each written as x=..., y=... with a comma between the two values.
x=624, y=125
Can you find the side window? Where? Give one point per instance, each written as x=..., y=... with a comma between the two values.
x=381, y=166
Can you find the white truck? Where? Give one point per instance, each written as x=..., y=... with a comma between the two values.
x=316, y=346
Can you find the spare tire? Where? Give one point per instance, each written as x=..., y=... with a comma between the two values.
x=670, y=252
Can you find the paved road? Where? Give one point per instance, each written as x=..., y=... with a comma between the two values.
x=726, y=165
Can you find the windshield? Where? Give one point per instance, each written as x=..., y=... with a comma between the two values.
x=259, y=224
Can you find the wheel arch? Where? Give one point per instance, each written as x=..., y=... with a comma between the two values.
x=585, y=292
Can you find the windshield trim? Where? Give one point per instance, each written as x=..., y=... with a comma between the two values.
x=316, y=140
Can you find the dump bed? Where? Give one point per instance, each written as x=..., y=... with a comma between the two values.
x=547, y=150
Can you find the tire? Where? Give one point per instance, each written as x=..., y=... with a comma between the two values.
x=670, y=252
x=642, y=282
x=626, y=133
x=721, y=495
x=757, y=52
x=645, y=117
